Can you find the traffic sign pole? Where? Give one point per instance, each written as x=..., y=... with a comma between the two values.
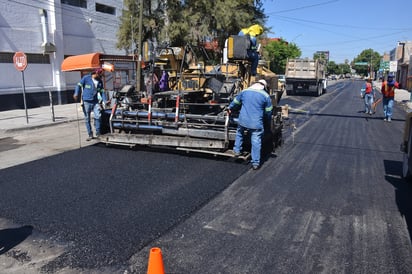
x=24, y=96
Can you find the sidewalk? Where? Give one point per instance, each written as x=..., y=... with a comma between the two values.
x=403, y=96
x=12, y=120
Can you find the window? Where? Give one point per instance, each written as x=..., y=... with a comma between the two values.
x=105, y=9
x=76, y=3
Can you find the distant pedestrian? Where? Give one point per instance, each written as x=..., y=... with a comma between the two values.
x=388, y=96
x=255, y=112
x=92, y=96
x=368, y=96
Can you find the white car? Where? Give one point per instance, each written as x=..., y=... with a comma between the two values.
x=281, y=81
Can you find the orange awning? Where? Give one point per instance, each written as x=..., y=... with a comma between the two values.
x=81, y=62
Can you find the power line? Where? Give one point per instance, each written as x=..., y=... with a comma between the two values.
x=304, y=7
x=341, y=26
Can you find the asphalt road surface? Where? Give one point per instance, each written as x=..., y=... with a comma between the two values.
x=330, y=201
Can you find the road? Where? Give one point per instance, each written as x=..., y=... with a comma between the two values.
x=331, y=200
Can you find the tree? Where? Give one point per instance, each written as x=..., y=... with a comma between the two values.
x=320, y=55
x=344, y=68
x=178, y=22
x=128, y=26
x=277, y=52
x=333, y=68
x=370, y=57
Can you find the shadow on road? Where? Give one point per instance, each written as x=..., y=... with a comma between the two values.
x=11, y=237
x=403, y=190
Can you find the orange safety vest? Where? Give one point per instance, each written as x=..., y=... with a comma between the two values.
x=388, y=91
x=368, y=88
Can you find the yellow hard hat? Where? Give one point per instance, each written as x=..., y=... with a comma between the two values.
x=255, y=30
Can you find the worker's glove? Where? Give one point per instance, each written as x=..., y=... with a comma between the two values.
x=99, y=97
x=362, y=93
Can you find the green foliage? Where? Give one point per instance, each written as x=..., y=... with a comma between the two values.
x=277, y=53
x=333, y=68
x=178, y=22
x=128, y=25
x=319, y=56
x=371, y=57
x=344, y=68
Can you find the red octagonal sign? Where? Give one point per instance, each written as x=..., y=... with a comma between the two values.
x=20, y=61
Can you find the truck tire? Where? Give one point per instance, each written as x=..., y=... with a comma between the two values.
x=320, y=90
x=406, y=171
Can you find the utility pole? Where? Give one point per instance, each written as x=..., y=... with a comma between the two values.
x=371, y=67
x=139, y=47
x=131, y=30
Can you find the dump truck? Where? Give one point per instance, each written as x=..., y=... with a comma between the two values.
x=305, y=76
x=190, y=113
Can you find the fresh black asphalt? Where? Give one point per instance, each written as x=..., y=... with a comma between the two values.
x=331, y=200
x=109, y=203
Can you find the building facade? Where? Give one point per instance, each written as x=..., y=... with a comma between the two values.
x=401, y=54
x=47, y=32
x=403, y=57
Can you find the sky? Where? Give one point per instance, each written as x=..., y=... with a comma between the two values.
x=343, y=27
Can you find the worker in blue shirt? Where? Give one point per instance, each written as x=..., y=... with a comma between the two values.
x=92, y=96
x=255, y=111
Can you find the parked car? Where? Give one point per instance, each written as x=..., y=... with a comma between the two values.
x=281, y=81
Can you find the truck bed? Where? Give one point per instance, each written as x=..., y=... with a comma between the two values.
x=304, y=69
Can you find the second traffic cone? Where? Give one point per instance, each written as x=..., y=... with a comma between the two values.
x=155, y=265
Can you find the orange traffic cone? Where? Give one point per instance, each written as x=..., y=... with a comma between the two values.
x=155, y=265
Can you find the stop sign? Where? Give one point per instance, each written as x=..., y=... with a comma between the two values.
x=20, y=61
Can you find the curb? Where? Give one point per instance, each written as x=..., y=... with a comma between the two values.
x=32, y=127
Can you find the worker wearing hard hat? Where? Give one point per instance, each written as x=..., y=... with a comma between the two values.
x=255, y=111
x=253, y=31
x=388, y=93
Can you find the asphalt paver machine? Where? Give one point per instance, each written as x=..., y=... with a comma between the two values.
x=189, y=111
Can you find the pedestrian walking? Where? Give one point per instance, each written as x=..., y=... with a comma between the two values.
x=91, y=91
x=368, y=96
x=255, y=111
x=388, y=96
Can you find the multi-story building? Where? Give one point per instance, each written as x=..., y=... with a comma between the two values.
x=48, y=31
x=405, y=52
x=402, y=54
